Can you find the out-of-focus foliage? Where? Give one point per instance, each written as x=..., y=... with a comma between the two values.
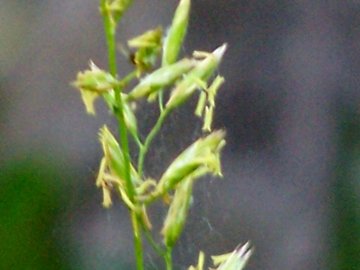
x=32, y=197
x=345, y=236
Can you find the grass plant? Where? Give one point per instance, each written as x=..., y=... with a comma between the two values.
x=168, y=82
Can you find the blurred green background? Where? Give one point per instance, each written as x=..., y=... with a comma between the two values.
x=33, y=200
x=345, y=217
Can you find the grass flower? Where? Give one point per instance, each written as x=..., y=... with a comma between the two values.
x=161, y=78
x=201, y=72
x=177, y=214
x=200, y=158
x=176, y=33
x=93, y=83
x=235, y=260
x=148, y=47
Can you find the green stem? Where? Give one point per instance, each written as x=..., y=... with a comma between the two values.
x=137, y=241
x=161, y=100
x=168, y=259
x=109, y=98
x=145, y=148
x=153, y=244
x=110, y=33
x=125, y=81
x=128, y=78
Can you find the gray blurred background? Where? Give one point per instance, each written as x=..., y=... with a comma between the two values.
x=290, y=106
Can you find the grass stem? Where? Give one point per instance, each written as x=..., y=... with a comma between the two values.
x=168, y=259
x=110, y=34
x=145, y=148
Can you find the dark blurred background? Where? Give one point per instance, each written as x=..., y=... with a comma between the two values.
x=290, y=105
